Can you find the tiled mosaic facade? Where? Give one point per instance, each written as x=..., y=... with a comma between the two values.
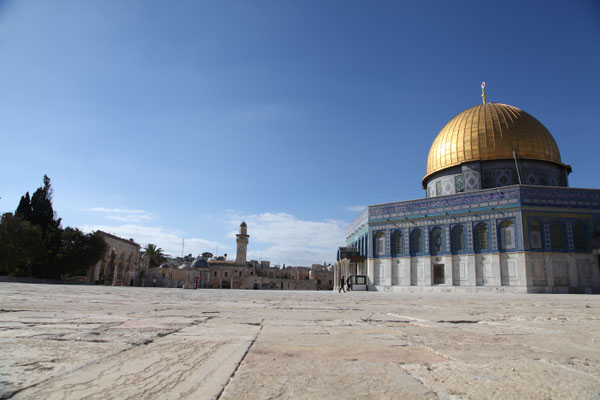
x=519, y=220
x=492, y=174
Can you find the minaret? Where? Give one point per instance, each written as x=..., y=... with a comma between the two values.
x=242, y=244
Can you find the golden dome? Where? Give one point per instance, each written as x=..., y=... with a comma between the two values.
x=491, y=132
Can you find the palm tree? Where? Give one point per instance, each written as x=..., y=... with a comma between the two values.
x=154, y=255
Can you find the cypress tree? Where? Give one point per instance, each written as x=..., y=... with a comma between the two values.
x=42, y=213
x=24, y=209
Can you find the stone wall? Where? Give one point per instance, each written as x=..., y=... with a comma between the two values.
x=517, y=271
x=119, y=264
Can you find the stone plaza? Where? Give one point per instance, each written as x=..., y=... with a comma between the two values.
x=69, y=341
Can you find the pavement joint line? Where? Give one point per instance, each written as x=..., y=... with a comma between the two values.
x=241, y=360
x=407, y=317
x=96, y=361
x=431, y=391
x=596, y=377
x=99, y=360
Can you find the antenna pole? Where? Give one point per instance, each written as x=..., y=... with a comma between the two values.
x=517, y=165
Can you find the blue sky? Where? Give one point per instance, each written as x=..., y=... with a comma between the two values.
x=169, y=120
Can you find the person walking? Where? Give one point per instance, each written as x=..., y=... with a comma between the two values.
x=349, y=283
x=342, y=283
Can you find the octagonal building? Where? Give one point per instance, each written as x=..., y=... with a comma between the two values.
x=498, y=216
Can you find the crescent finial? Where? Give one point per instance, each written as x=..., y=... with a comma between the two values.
x=483, y=96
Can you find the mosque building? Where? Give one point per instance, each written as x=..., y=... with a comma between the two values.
x=499, y=215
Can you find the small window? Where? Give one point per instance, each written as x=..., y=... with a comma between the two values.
x=579, y=235
x=482, y=237
x=380, y=244
x=557, y=236
x=225, y=273
x=535, y=234
x=416, y=242
x=507, y=235
x=436, y=241
x=215, y=273
x=458, y=239
x=398, y=243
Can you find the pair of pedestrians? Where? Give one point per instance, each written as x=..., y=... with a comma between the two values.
x=344, y=285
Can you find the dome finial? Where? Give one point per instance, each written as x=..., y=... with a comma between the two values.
x=483, y=92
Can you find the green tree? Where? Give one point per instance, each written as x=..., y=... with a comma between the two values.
x=20, y=246
x=78, y=251
x=206, y=255
x=42, y=213
x=33, y=243
x=154, y=254
x=24, y=209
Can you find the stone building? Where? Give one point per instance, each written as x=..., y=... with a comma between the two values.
x=498, y=215
x=120, y=262
x=238, y=274
x=197, y=275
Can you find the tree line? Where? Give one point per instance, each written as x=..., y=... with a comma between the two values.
x=34, y=244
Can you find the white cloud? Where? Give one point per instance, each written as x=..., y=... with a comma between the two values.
x=283, y=238
x=169, y=240
x=124, y=215
x=277, y=237
x=355, y=208
x=130, y=218
x=118, y=210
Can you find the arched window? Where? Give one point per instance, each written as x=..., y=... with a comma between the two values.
x=558, y=236
x=482, y=237
x=416, y=242
x=397, y=243
x=507, y=235
x=535, y=234
x=380, y=244
x=458, y=239
x=436, y=244
x=579, y=235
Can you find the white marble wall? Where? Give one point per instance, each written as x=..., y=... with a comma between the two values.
x=526, y=270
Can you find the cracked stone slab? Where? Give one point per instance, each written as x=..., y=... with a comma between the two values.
x=309, y=379
x=528, y=380
x=27, y=362
x=178, y=366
